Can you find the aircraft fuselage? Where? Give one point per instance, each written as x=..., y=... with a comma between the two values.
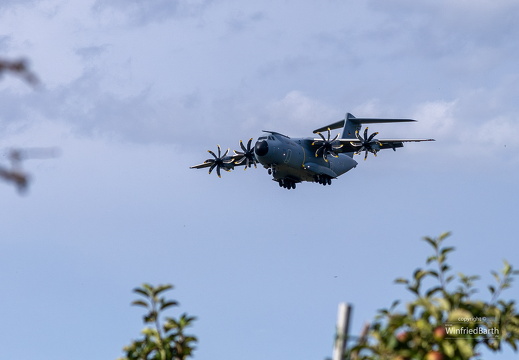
x=294, y=160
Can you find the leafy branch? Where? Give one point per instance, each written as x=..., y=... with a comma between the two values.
x=165, y=339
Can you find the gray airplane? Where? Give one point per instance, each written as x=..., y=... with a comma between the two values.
x=291, y=161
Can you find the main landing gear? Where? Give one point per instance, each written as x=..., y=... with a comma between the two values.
x=287, y=183
x=323, y=179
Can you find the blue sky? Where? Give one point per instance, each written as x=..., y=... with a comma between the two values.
x=134, y=92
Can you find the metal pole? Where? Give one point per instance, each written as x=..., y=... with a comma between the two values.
x=343, y=325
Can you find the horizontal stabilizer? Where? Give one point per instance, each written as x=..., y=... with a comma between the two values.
x=337, y=125
x=378, y=121
x=382, y=140
x=357, y=121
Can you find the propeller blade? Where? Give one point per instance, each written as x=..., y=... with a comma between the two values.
x=242, y=147
x=326, y=145
x=218, y=162
x=357, y=135
x=372, y=136
x=368, y=144
x=246, y=156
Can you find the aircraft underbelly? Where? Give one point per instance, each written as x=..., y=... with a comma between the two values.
x=284, y=171
x=306, y=171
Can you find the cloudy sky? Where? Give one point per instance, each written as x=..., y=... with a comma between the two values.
x=134, y=92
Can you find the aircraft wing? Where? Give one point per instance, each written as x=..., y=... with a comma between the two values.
x=397, y=140
x=201, y=166
x=352, y=145
x=349, y=145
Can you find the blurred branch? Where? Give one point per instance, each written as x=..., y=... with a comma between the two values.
x=19, y=178
x=15, y=174
x=19, y=68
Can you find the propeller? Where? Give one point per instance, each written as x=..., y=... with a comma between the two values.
x=326, y=146
x=247, y=155
x=219, y=162
x=367, y=143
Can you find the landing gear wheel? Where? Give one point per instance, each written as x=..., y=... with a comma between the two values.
x=323, y=179
x=287, y=183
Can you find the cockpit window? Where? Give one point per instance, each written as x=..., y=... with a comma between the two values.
x=262, y=138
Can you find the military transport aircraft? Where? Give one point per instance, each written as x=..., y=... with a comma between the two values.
x=291, y=161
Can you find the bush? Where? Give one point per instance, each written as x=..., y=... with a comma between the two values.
x=444, y=321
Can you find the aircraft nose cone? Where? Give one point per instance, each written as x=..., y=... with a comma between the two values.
x=261, y=148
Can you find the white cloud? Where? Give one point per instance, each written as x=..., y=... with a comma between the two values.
x=463, y=134
x=499, y=131
x=299, y=113
x=436, y=118
x=143, y=12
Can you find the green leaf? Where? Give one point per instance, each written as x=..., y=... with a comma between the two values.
x=141, y=292
x=149, y=332
x=167, y=304
x=401, y=281
x=433, y=273
x=444, y=236
x=394, y=305
x=448, y=348
x=431, y=259
x=447, y=250
x=464, y=348
x=512, y=343
x=432, y=291
x=140, y=303
x=507, y=268
x=151, y=317
x=161, y=288
x=431, y=242
x=418, y=274
x=413, y=289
